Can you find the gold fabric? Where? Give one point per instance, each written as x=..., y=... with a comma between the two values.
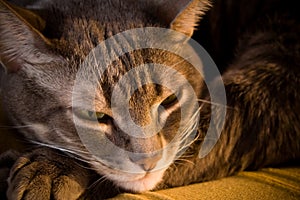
x=266, y=184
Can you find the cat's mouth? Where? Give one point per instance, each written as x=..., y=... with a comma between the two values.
x=140, y=183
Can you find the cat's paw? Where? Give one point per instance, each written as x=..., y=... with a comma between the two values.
x=44, y=174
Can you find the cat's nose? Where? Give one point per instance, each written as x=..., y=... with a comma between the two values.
x=147, y=162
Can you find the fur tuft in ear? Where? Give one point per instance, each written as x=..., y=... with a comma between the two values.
x=21, y=43
x=183, y=15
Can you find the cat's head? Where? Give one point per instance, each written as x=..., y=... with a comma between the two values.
x=128, y=129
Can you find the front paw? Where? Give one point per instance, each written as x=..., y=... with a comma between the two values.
x=46, y=174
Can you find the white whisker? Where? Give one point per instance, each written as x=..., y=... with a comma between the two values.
x=181, y=161
x=191, y=126
x=65, y=150
x=181, y=61
x=15, y=127
x=214, y=103
x=98, y=181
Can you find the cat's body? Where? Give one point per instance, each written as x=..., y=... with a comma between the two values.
x=261, y=79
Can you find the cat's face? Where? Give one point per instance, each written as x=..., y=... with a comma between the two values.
x=131, y=134
x=139, y=117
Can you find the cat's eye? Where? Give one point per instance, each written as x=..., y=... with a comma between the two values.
x=92, y=116
x=169, y=101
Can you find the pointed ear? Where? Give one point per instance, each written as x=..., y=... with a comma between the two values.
x=183, y=15
x=21, y=42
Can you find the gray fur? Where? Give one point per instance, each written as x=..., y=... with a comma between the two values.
x=41, y=65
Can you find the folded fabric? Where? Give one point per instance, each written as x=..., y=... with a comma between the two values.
x=266, y=184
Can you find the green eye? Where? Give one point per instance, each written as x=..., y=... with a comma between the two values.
x=170, y=100
x=92, y=116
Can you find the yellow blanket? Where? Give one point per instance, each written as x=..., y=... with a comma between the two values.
x=266, y=184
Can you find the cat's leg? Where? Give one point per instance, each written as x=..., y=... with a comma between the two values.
x=47, y=174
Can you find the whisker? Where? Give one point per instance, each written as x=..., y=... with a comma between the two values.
x=65, y=150
x=183, y=162
x=15, y=127
x=51, y=146
x=187, y=156
x=181, y=61
x=191, y=126
x=98, y=181
x=215, y=104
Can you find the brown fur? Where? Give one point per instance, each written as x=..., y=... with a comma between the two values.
x=260, y=69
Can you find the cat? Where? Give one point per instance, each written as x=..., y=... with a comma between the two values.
x=43, y=46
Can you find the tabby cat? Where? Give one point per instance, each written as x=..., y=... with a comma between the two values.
x=43, y=47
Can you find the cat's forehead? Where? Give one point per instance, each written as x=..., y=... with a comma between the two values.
x=84, y=27
x=141, y=76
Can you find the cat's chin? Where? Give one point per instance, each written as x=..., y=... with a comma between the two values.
x=142, y=182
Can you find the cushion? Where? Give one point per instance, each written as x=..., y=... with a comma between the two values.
x=266, y=184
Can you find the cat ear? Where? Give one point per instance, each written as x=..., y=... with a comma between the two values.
x=183, y=15
x=21, y=42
